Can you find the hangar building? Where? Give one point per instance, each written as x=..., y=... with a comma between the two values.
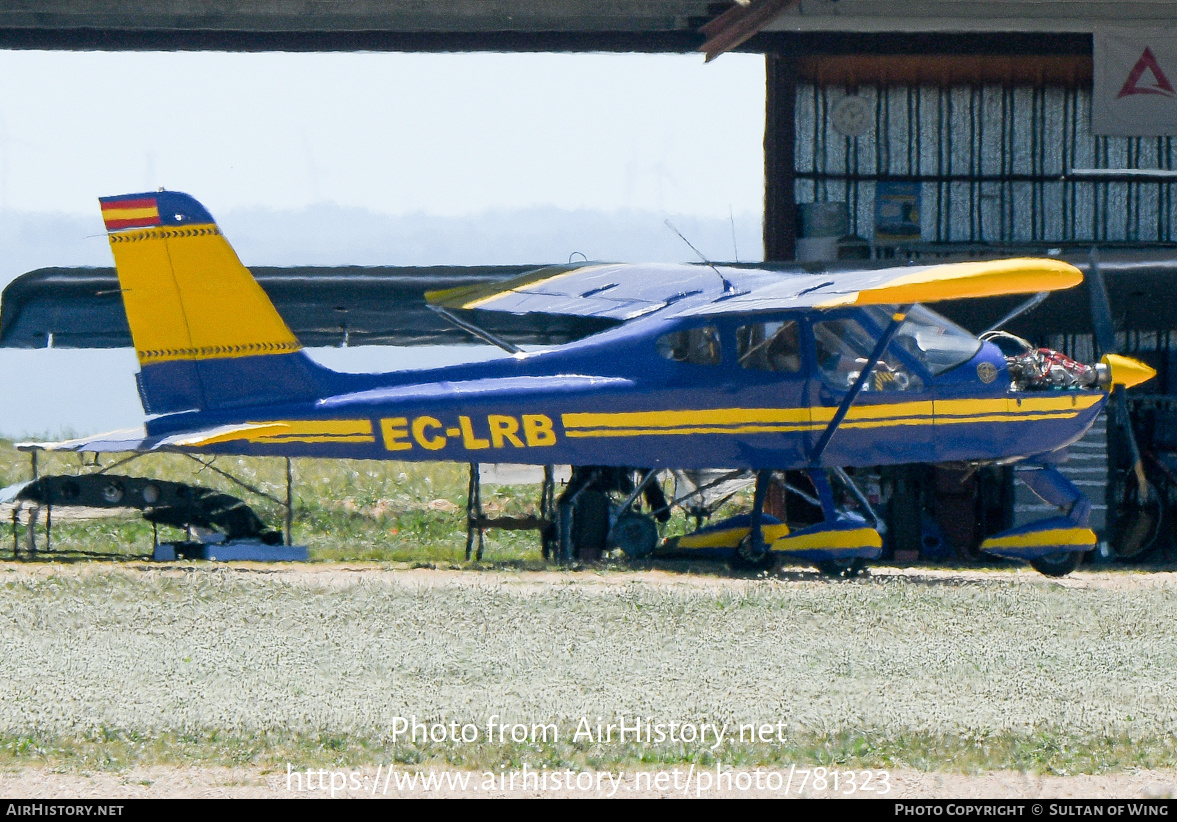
x=901, y=129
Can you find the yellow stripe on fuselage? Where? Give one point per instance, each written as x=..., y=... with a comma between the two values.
x=286, y=431
x=318, y=431
x=1018, y=403
x=787, y=420
x=661, y=419
x=656, y=432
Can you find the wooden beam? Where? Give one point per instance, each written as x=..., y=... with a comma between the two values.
x=780, y=130
x=740, y=23
x=1068, y=70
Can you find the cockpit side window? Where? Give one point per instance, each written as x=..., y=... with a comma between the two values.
x=770, y=346
x=843, y=348
x=698, y=346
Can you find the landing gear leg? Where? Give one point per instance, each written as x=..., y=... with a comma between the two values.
x=752, y=552
x=840, y=568
x=583, y=517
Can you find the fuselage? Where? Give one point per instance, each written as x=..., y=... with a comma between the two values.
x=688, y=392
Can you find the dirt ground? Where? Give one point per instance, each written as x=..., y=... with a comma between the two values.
x=37, y=783
x=342, y=574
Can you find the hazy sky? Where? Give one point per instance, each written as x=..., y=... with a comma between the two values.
x=395, y=134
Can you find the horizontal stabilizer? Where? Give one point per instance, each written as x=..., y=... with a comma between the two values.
x=276, y=432
x=137, y=439
x=126, y=439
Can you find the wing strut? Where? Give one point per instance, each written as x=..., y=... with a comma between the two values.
x=865, y=374
x=481, y=333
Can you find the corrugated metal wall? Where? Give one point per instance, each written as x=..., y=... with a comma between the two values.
x=992, y=161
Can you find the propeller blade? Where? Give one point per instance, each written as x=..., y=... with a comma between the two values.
x=1133, y=449
x=1105, y=342
x=1101, y=308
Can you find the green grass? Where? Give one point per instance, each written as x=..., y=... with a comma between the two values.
x=116, y=750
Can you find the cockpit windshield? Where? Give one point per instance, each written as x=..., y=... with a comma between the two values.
x=935, y=341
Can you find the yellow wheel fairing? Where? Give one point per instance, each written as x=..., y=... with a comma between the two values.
x=830, y=540
x=1061, y=537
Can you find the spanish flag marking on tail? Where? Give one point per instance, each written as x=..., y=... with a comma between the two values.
x=121, y=213
x=151, y=209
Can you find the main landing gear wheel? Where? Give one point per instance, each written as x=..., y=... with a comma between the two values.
x=841, y=568
x=634, y=534
x=1138, y=524
x=753, y=557
x=1057, y=565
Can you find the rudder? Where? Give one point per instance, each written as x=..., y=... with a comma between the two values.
x=207, y=336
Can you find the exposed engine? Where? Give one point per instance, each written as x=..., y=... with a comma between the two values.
x=1044, y=369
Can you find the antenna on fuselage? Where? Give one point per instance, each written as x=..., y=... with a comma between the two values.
x=735, y=248
x=727, y=286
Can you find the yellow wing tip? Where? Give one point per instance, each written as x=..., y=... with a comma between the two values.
x=954, y=281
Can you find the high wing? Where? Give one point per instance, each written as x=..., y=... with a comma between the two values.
x=626, y=292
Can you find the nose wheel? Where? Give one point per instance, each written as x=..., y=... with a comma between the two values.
x=754, y=555
x=1057, y=565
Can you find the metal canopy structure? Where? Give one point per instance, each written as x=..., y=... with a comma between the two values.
x=324, y=306
x=914, y=16
x=416, y=25
x=531, y=25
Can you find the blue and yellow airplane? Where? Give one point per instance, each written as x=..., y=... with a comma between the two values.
x=692, y=366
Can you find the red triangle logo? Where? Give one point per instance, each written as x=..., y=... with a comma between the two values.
x=1160, y=83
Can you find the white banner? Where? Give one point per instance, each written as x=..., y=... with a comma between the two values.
x=1135, y=93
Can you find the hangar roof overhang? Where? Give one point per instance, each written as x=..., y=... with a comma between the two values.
x=379, y=25
x=965, y=16
x=532, y=25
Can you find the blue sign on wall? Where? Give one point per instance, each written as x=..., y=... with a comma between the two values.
x=897, y=212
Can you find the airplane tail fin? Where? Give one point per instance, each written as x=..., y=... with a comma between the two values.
x=206, y=334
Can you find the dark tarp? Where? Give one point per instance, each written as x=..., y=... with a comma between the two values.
x=82, y=307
